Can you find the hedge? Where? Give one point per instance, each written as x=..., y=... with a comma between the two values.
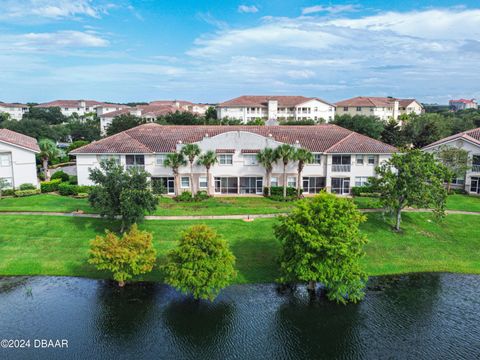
x=62, y=175
x=362, y=190
x=28, y=187
x=50, y=186
x=278, y=191
x=66, y=189
x=22, y=193
x=8, y=192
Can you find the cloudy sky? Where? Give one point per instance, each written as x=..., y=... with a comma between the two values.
x=210, y=51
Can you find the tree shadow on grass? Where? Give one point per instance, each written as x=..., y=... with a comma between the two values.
x=97, y=225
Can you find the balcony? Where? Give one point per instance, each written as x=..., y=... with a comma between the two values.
x=476, y=168
x=138, y=167
x=341, y=168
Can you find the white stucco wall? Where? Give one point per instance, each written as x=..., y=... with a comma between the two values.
x=22, y=167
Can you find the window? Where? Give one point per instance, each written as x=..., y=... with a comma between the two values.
x=292, y=181
x=135, y=161
x=250, y=159
x=251, y=185
x=160, y=159
x=361, y=180
x=5, y=160
x=359, y=159
x=225, y=159
x=274, y=181
x=315, y=109
x=101, y=158
x=313, y=185
x=340, y=185
x=345, y=108
x=185, y=182
x=202, y=182
x=371, y=159
x=317, y=159
x=359, y=108
x=341, y=159
x=458, y=181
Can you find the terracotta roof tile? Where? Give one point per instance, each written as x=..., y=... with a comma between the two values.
x=18, y=139
x=472, y=135
x=262, y=101
x=155, y=138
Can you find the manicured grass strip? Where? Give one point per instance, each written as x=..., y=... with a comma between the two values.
x=463, y=202
x=45, y=202
x=36, y=245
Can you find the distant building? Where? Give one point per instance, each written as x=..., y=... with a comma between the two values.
x=80, y=107
x=277, y=108
x=14, y=110
x=151, y=111
x=381, y=107
x=17, y=158
x=463, y=104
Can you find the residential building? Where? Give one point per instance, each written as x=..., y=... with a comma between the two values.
x=276, y=108
x=469, y=141
x=17, y=158
x=80, y=107
x=343, y=158
x=463, y=104
x=382, y=107
x=151, y=111
x=14, y=110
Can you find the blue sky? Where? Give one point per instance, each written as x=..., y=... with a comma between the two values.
x=210, y=51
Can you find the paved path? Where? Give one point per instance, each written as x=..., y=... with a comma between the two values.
x=210, y=217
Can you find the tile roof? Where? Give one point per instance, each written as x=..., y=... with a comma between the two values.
x=155, y=138
x=472, y=135
x=465, y=101
x=116, y=113
x=18, y=139
x=373, y=101
x=72, y=103
x=262, y=101
x=16, y=105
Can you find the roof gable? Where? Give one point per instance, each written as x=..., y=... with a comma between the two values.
x=20, y=140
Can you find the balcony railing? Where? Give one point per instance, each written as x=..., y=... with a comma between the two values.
x=138, y=167
x=476, y=168
x=340, y=168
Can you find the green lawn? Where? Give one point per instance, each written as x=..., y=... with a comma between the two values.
x=33, y=245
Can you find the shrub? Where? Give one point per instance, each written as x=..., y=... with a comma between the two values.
x=81, y=196
x=73, y=179
x=201, y=195
x=365, y=190
x=50, y=186
x=277, y=193
x=186, y=196
x=63, y=176
x=41, y=176
x=8, y=192
x=27, y=187
x=66, y=189
x=157, y=187
x=22, y=193
x=457, y=191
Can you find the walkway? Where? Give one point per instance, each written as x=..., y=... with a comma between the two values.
x=209, y=217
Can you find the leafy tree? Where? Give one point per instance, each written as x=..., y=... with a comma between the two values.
x=425, y=129
x=455, y=159
x=191, y=151
x=201, y=265
x=4, y=117
x=267, y=157
x=413, y=178
x=180, y=118
x=284, y=153
x=321, y=242
x=207, y=160
x=175, y=161
x=87, y=129
x=132, y=254
x=211, y=113
x=124, y=122
x=121, y=193
x=76, y=144
x=35, y=128
x=392, y=133
x=48, y=152
x=367, y=125
x=302, y=156
x=50, y=115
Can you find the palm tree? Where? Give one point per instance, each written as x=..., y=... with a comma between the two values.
x=303, y=157
x=191, y=151
x=174, y=161
x=48, y=151
x=208, y=159
x=267, y=157
x=284, y=153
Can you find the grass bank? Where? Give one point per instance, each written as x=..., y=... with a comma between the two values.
x=35, y=245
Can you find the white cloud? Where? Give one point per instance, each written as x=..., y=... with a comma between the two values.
x=333, y=9
x=34, y=10
x=52, y=41
x=247, y=9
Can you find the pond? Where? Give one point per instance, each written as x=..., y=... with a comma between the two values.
x=420, y=316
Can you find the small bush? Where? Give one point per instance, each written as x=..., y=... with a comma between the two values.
x=457, y=191
x=158, y=188
x=8, y=192
x=41, y=176
x=201, y=195
x=362, y=190
x=186, y=196
x=278, y=191
x=73, y=179
x=27, y=187
x=66, y=189
x=50, y=186
x=81, y=196
x=63, y=176
x=22, y=193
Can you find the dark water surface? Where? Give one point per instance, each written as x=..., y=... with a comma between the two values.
x=425, y=316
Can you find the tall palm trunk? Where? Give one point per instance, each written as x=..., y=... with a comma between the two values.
x=46, y=171
x=269, y=183
x=208, y=180
x=175, y=180
x=284, y=180
x=299, y=178
x=191, y=178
